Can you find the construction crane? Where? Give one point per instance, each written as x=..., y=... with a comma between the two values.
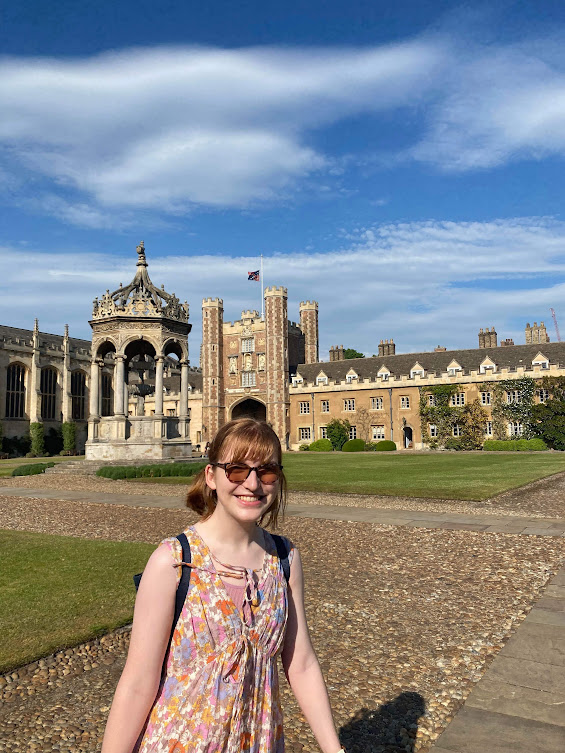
x=555, y=324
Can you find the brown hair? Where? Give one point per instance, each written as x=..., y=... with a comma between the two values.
x=235, y=442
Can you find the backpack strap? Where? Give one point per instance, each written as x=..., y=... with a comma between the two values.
x=182, y=588
x=283, y=551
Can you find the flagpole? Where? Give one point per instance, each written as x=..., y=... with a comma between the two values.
x=262, y=293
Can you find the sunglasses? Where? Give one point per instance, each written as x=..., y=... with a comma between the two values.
x=238, y=472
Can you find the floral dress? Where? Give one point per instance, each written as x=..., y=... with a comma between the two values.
x=219, y=692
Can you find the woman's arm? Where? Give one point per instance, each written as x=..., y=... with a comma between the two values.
x=138, y=685
x=301, y=666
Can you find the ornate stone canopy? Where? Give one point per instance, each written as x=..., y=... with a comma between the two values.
x=140, y=298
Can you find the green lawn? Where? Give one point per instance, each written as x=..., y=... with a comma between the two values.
x=57, y=591
x=469, y=476
x=7, y=466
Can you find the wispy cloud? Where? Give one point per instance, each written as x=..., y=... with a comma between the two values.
x=402, y=281
x=171, y=128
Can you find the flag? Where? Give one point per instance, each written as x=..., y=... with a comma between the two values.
x=253, y=276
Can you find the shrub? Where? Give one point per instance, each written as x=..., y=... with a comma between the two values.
x=32, y=469
x=386, y=445
x=304, y=448
x=353, y=445
x=69, y=430
x=17, y=446
x=155, y=470
x=321, y=445
x=338, y=432
x=37, y=438
x=451, y=443
x=537, y=444
x=370, y=446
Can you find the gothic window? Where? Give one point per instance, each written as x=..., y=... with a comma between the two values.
x=78, y=395
x=515, y=429
x=325, y=406
x=107, y=395
x=304, y=433
x=352, y=432
x=48, y=389
x=488, y=428
x=323, y=432
x=304, y=407
x=432, y=401
x=486, y=398
x=543, y=395
x=513, y=396
x=458, y=398
x=349, y=404
x=405, y=402
x=248, y=345
x=433, y=430
x=457, y=430
x=248, y=379
x=376, y=403
x=16, y=391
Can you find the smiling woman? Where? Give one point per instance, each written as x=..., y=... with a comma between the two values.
x=214, y=686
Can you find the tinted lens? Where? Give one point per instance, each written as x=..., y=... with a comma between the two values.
x=269, y=473
x=237, y=473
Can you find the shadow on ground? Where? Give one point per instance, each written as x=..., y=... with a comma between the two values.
x=391, y=728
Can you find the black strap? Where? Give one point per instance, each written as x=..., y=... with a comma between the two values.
x=283, y=550
x=182, y=588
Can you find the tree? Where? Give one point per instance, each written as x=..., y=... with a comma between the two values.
x=337, y=431
x=549, y=417
x=352, y=353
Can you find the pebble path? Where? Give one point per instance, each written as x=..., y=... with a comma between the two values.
x=402, y=633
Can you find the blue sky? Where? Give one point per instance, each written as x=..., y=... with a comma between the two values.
x=400, y=162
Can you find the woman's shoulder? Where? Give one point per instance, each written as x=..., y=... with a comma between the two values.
x=285, y=546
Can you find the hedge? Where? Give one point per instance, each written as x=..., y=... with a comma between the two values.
x=37, y=439
x=156, y=470
x=386, y=445
x=321, y=445
x=514, y=445
x=32, y=469
x=354, y=445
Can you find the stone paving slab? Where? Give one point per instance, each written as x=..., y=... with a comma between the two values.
x=519, y=704
x=411, y=518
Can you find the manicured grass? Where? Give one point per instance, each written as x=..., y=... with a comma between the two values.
x=57, y=591
x=7, y=466
x=469, y=476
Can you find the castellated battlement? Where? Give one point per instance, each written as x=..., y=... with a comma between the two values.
x=308, y=305
x=213, y=302
x=250, y=315
x=276, y=290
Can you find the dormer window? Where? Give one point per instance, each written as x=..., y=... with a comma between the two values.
x=297, y=379
x=350, y=377
x=486, y=366
x=384, y=374
x=321, y=378
x=416, y=371
x=454, y=368
x=541, y=361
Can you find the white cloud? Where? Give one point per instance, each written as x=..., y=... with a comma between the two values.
x=497, y=104
x=167, y=128
x=423, y=284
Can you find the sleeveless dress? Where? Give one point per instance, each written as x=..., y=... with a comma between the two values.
x=219, y=692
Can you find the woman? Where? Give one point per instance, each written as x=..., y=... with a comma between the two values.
x=218, y=692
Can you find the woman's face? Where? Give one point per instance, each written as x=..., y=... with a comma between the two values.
x=246, y=500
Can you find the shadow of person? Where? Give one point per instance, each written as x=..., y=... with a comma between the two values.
x=391, y=728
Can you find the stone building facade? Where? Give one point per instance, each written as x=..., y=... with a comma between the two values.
x=247, y=364
x=266, y=366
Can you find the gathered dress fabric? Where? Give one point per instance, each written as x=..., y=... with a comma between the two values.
x=219, y=692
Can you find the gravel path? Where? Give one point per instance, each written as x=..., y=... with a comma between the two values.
x=402, y=632
x=543, y=499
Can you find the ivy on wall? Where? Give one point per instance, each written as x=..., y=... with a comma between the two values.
x=441, y=414
x=520, y=410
